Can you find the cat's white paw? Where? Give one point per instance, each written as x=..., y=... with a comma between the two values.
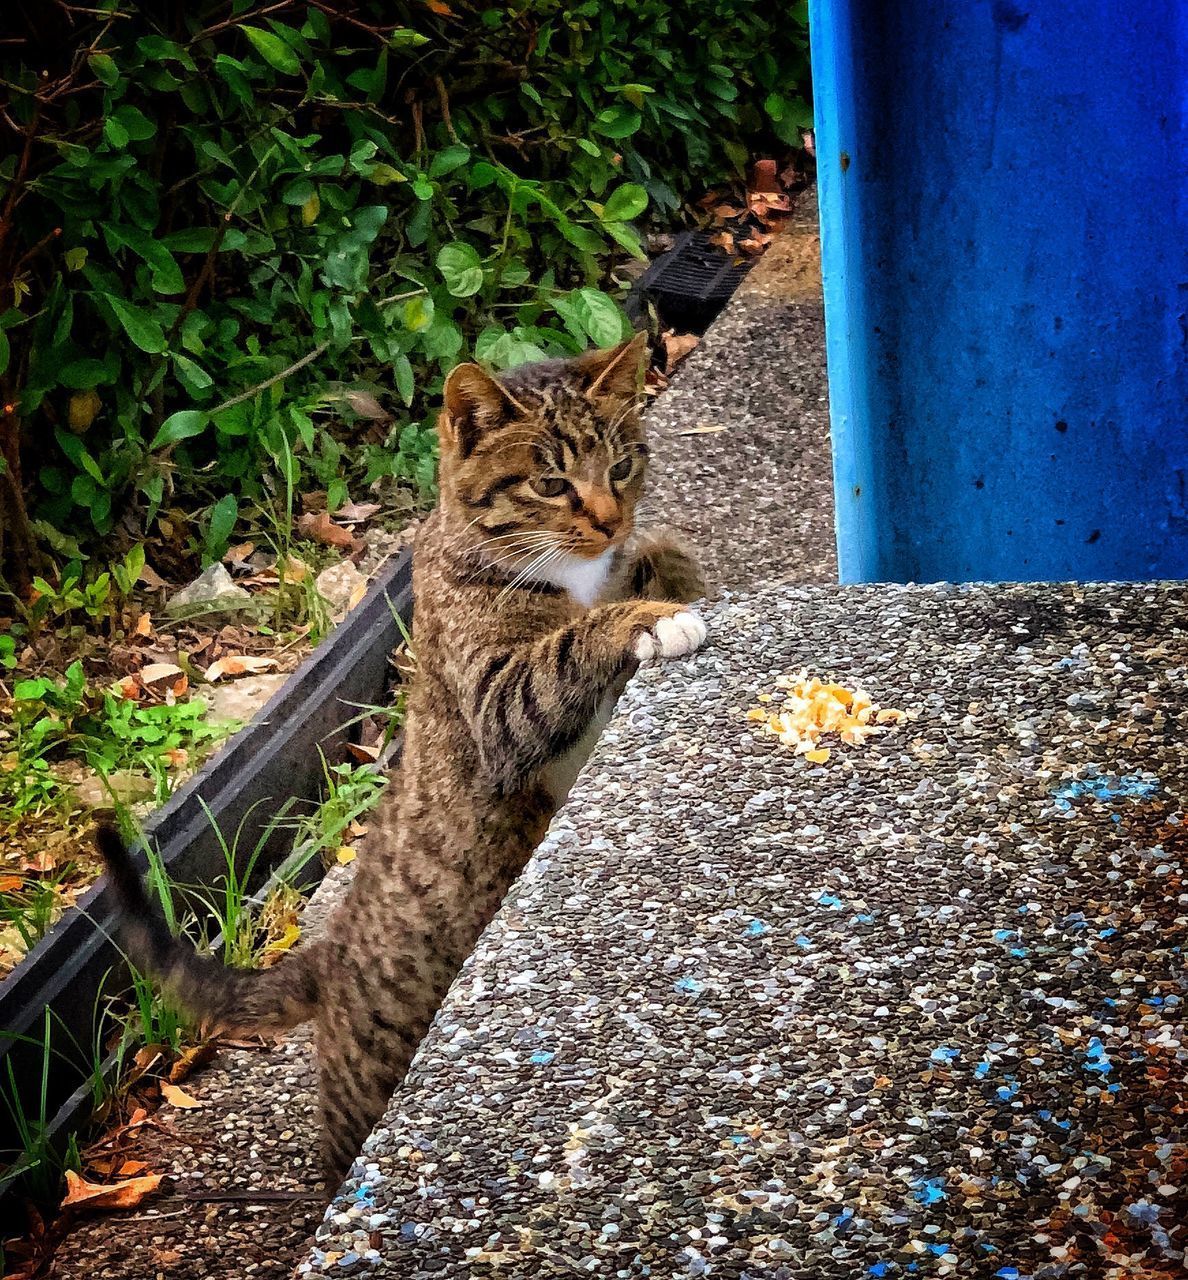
x=674, y=637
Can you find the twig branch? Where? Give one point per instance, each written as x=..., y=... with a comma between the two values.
x=308, y=358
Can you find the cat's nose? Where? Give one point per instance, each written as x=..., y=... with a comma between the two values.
x=602, y=512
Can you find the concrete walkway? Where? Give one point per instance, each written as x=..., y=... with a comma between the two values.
x=914, y=1012
x=741, y=437
x=755, y=498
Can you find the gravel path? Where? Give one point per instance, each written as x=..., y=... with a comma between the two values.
x=741, y=437
x=914, y=1012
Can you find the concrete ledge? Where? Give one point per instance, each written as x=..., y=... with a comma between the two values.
x=914, y=1012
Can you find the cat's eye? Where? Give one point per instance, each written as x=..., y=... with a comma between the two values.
x=550, y=486
x=622, y=469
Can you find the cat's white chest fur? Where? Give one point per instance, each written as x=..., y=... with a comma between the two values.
x=583, y=578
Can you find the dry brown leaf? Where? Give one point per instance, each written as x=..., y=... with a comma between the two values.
x=355, y=512
x=366, y=406
x=365, y=755
x=357, y=594
x=197, y=1055
x=151, y=578
x=178, y=1097
x=321, y=528
x=238, y=664
x=159, y=671
x=239, y=553
x=147, y=1056
x=130, y=1168
x=292, y=570
x=116, y=1195
x=676, y=347
x=128, y=687
x=144, y=625
x=9, y=884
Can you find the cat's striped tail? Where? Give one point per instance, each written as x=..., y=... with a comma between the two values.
x=223, y=999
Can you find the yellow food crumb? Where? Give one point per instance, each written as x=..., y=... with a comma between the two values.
x=811, y=708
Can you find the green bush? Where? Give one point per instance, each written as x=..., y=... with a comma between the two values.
x=220, y=213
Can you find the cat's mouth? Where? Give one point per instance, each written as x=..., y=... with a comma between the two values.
x=592, y=548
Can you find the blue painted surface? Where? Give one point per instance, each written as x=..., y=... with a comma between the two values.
x=1004, y=214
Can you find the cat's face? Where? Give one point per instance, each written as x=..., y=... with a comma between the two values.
x=549, y=459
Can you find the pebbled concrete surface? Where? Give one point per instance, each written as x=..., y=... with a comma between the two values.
x=914, y=1012
x=755, y=496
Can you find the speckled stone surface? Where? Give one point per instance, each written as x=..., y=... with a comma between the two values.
x=755, y=496
x=915, y=1012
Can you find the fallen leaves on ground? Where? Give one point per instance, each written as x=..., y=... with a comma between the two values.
x=127, y=1194
x=356, y=512
x=806, y=709
x=151, y=578
x=676, y=347
x=238, y=664
x=747, y=228
x=239, y=553
x=319, y=526
x=190, y=1059
x=159, y=671
x=178, y=1097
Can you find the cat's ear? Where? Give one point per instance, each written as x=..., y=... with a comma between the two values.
x=475, y=402
x=616, y=372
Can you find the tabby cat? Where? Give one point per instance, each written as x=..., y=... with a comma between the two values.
x=530, y=615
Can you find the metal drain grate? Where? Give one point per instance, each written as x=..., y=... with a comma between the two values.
x=690, y=284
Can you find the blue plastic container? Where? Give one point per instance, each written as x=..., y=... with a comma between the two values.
x=1004, y=215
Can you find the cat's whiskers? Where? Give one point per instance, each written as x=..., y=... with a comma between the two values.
x=532, y=569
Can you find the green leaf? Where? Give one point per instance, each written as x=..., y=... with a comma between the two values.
x=75, y=259
x=82, y=375
x=5, y=351
x=626, y=202
x=76, y=451
x=115, y=133
x=273, y=50
x=223, y=516
x=618, y=121
x=402, y=373
x=449, y=159
x=582, y=237
x=600, y=317
x=104, y=67
x=404, y=38
x=180, y=426
x=144, y=331
x=461, y=269
x=135, y=123
x=383, y=174
x=192, y=376
x=418, y=313
x=624, y=236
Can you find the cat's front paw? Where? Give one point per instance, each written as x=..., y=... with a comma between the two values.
x=675, y=636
